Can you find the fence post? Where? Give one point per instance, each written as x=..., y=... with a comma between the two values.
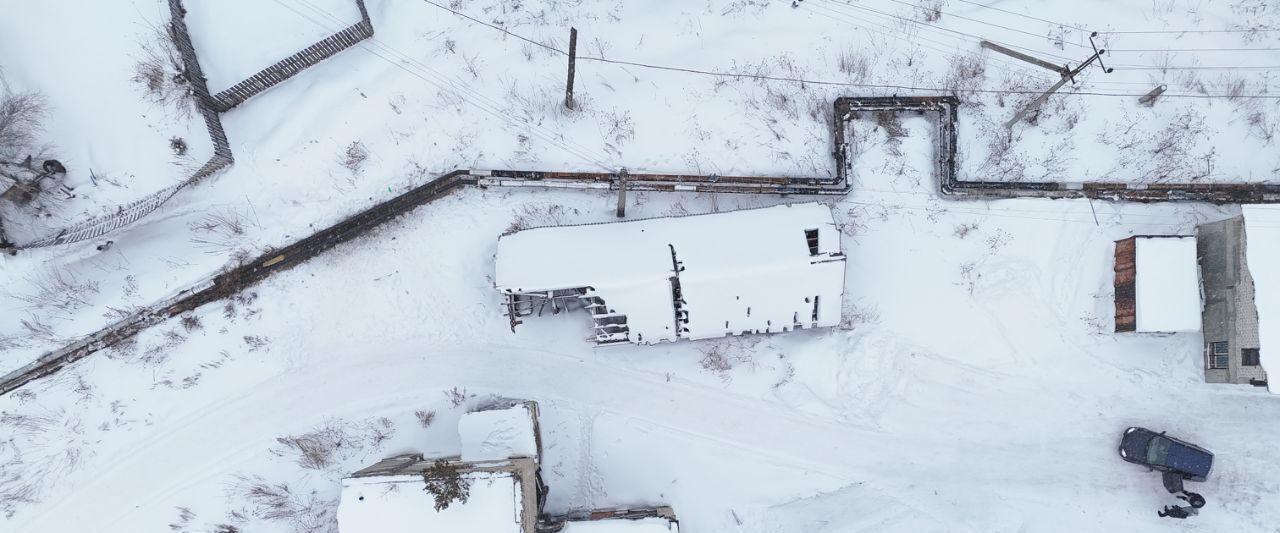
x=573, y=55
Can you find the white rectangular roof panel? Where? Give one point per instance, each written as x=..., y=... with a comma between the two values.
x=397, y=504
x=1167, y=285
x=738, y=272
x=1262, y=252
x=498, y=434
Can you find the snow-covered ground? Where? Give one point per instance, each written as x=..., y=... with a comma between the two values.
x=973, y=386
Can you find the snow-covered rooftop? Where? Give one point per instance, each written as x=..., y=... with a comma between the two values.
x=1262, y=251
x=397, y=504
x=1167, y=284
x=498, y=434
x=620, y=525
x=741, y=271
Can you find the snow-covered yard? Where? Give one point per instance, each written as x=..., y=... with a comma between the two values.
x=973, y=385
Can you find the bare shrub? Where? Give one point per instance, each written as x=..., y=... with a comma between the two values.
x=59, y=290
x=891, y=123
x=853, y=315
x=191, y=323
x=161, y=74
x=41, y=447
x=334, y=440
x=21, y=115
x=1173, y=154
x=178, y=145
x=854, y=63
x=425, y=417
x=446, y=484
x=963, y=230
x=223, y=231
x=617, y=126
x=457, y=396
x=276, y=502
x=930, y=10
x=965, y=76
x=354, y=156
x=256, y=342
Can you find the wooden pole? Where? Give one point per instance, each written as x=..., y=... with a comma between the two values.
x=1061, y=70
x=573, y=56
x=622, y=193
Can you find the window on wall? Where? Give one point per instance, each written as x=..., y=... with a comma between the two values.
x=1218, y=355
x=1249, y=357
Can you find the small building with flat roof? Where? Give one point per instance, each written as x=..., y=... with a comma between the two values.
x=765, y=270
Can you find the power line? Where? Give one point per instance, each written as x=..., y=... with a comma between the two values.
x=1192, y=31
x=961, y=17
x=1192, y=49
x=1014, y=13
x=948, y=30
x=819, y=82
x=457, y=88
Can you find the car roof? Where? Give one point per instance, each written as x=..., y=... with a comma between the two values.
x=1187, y=459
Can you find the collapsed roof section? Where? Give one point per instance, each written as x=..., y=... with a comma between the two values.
x=693, y=277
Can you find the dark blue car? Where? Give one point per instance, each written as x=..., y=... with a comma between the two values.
x=1166, y=454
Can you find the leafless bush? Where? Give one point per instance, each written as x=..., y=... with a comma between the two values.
x=354, y=156
x=425, y=417
x=334, y=440
x=969, y=276
x=535, y=215
x=276, y=502
x=160, y=72
x=963, y=230
x=617, y=126
x=37, y=329
x=457, y=396
x=891, y=123
x=256, y=342
x=997, y=240
x=930, y=10
x=853, y=315
x=59, y=290
x=40, y=448
x=191, y=322
x=222, y=231
x=721, y=356
x=178, y=145
x=21, y=115
x=854, y=63
x=446, y=484
x=965, y=76
x=1173, y=154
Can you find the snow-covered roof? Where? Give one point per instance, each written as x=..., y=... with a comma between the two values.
x=397, y=504
x=498, y=434
x=1167, y=285
x=622, y=525
x=742, y=271
x=1262, y=252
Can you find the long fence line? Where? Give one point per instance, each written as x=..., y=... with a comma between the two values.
x=210, y=106
x=226, y=284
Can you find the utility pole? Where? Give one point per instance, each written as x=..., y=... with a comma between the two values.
x=622, y=193
x=573, y=56
x=1061, y=70
x=1069, y=75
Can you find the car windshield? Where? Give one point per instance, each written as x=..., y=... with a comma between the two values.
x=1158, y=450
